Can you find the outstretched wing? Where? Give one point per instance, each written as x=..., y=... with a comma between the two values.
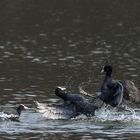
x=56, y=111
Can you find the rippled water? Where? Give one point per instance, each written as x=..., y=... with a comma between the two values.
x=44, y=44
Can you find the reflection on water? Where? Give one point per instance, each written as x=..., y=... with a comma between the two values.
x=44, y=44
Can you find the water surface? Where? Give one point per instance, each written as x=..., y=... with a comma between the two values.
x=44, y=44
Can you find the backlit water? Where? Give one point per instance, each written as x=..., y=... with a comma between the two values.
x=49, y=43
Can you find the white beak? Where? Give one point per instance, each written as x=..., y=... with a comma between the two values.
x=102, y=71
x=25, y=107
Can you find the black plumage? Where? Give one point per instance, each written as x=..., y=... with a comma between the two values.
x=115, y=92
x=79, y=102
x=111, y=90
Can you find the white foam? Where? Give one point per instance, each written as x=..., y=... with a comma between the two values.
x=52, y=112
x=105, y=114
x=102, y=115
x=4, y=116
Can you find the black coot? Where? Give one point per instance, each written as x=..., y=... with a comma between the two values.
x=79, y=102
x=114, y=92
x=13, y=111
x=111, y=90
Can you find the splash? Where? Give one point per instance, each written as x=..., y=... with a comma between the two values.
x=4, y=116
x=55, y=112
x=104, y=114
x=82, y=91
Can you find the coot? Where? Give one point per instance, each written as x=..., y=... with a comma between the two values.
x=114, y=92
x=79, y=102
x=13, y=111
x=111, y=90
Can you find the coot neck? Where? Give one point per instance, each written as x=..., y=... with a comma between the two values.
x=108, y=75
x=19, y=110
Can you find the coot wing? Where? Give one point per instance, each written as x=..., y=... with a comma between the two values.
x=131, y=92
x=117, y=95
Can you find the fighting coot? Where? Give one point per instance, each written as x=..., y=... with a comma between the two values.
x=114, y=91
x=111, y=90
x=13, y=111
x=79, y=102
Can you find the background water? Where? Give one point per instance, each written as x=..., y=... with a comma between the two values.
x=47, y=43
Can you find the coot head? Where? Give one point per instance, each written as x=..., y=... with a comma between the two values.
x=60, y=90
x=107, y=69
x=20, y=108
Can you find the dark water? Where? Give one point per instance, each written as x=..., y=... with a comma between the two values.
x=46, y=43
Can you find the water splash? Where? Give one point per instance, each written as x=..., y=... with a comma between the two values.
x=55, y=112
x=4, y=116
x=104, y=114
x=82, y=91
